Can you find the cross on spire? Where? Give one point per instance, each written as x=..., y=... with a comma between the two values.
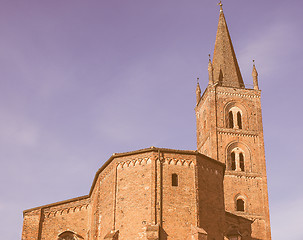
x=221, y=6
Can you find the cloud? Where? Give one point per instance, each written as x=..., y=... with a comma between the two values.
x=271, y=47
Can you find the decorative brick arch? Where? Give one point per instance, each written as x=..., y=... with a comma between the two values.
x=238, y=147
x=235, y=107
x=69, y=235
x=244, y=198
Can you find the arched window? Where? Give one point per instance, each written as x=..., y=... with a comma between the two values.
x=234, y=117
x=67, y=236
x=236, y=160
x=230, y=119
x=233, y=161
x=239, y=119
x=235, y=237
x=240, y=205
x=174, y=180
x=241, y=159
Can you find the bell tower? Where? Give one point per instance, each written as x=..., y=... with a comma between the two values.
x=230, y=129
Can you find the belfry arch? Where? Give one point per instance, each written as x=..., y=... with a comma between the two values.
x=235, y=116
x=238, y=157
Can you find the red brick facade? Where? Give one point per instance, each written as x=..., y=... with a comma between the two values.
x=217, y=192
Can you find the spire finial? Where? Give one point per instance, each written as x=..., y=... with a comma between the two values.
x=198, y=91
x=210, y=71
x=221, y=6
x=255, y=73
x=255, y=76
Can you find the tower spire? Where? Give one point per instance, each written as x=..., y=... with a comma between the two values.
x=226, y=69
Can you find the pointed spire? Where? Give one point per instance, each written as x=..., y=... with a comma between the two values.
x=255, y=76
x=198, y=91
x=210, y=72
x=225, y=64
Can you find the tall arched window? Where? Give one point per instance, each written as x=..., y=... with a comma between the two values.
x=234, y=117
x=233, y=161
x=236, y=160
x=239, y=119
x=240, y=205
x=230, y=119
x=241, y=160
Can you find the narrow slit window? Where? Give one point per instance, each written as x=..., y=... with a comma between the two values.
x=230, y=120
x=239, y=119
x=175, y=180
x=241, y=158
x=240, y=205
x=233, y=161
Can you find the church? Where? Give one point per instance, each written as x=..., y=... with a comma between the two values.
x=217, y=192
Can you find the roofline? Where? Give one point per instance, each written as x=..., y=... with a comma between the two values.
x=217, y=85
x=234, y=215
x=151, y=149
x=56, y=203
x=116, y=155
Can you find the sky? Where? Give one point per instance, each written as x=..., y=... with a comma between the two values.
x=81, y=80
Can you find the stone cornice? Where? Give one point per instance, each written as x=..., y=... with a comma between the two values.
x=62, y=210
x=84, y=199
x=237, y=132
x=239, y=94
x=238, y=174
x=251, y=217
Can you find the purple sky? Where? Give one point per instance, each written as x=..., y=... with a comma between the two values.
x=81, y=80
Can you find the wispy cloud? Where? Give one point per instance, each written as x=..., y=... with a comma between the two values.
x=270, y=47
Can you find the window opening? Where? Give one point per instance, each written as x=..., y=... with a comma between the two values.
x=239, y=119
x=240, y=205
x=230, y=119
x=67, y=236
x=241, y=157
x=175, y=179
x=233, y=161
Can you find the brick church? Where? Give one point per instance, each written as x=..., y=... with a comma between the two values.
x=216, y=192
